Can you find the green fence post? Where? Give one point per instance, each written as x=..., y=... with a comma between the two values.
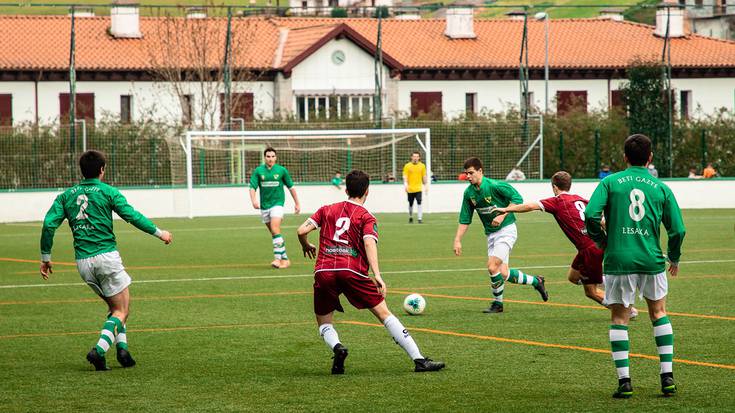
x=703, y=144
x=202, y=177
x=597, y=152
x=561, y=150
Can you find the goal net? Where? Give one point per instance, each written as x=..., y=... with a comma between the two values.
x=311, y=156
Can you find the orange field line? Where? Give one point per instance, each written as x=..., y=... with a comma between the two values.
x=159, y=329
x=36, y=261
x=542, y=344
x=552, y=304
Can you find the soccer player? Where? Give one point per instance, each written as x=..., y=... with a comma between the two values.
x=635, y=204
x=484, y=195
x=270, y=177
x=414, y=179
x=348, y=248
x=88, y=206
x=568, y=210
x=337, y=180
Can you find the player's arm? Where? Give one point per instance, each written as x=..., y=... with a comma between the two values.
x=371, y=249
x=465, y=219
x=675, y=230
x=303, y=232
x=593, y=215
x=254, y=187
x=121, y=206
x=405, y=177
x=289, y=184
x=54, y=217
x=425, y=180
x=527, y=207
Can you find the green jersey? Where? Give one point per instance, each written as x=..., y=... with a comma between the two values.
x=491, y=193
x=635, y=204
x=88, y=206
x=271, y=181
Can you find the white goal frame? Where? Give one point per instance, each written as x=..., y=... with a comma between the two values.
x=288, y=134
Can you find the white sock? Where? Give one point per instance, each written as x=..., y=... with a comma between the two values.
x=421, y=213
x=410, y=210
x=402, y=337
x=329, y=334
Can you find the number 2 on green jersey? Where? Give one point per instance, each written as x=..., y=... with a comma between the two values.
x=636, y=210
x=83, y=203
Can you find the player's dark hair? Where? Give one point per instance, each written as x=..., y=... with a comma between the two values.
x=415, y=153
x=269, y=149
x=562, y=180
x=357, y=183
x=637, y=149
x=91, y=163
x=473, y=163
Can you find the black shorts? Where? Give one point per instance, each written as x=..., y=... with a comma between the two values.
x=412, y=196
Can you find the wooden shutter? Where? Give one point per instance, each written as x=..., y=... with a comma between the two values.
x=571, y=100
x=84, y=103
x=429, y=103
x=6, y=110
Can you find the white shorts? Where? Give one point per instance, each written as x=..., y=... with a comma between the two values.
x=270, y=213
x=104, y=273
x=500, y=243
x=620, y=289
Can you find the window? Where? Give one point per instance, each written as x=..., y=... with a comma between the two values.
x=6, y=110
x=304, y=5
x=84, y=105
x=301, y=108
x=126, y=108
x=470, y=103
x=309, y=108
x=426, y=103
x=186, y=109
x=617, y=101
x=699, y=3
x=571, y=101
x=685, y=97
x=367, y=106
x=241, y=107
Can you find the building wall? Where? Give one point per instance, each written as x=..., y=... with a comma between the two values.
x=151, y=100
x=318, y=73
x=443, y=197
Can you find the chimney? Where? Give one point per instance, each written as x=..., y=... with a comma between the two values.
x=196, y=13
x=516, y=15
x=614, y=14
x=460, y=23
x=125, y=20
x=675, y=12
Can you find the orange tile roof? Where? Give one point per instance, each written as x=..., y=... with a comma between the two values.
x=42, y=43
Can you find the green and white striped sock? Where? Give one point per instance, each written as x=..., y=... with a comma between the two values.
x=620, y=348
x=279, y=247
x=121, y=339
x=517, y=276
x=497, y=284
x=664, y=335
x=107, y=335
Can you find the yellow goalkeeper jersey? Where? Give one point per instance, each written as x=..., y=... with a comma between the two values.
x=414, y=176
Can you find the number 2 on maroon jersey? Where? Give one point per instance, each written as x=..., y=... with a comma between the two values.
x=342, y=224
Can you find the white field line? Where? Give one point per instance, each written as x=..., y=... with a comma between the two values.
x=266, y=277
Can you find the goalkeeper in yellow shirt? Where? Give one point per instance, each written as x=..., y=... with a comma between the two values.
x=414, y=179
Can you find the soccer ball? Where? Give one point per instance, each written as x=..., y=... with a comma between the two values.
x=414, y=304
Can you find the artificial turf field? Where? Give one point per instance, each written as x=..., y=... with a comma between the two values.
x=213, y=328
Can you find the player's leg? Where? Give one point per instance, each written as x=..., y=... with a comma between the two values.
x=495, y=269
x=654, y=289
x=503, y=244
x=419, y=199
x=411, y=198
x=619, y=294
x=326, y=301
x=266, y=217
x=279, y=244
x=118, y=305
x=590, y=289
x=403, y=338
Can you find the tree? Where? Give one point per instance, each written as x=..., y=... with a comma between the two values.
x=188, y=57
x=645, y=97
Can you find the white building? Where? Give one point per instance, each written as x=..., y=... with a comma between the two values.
x=312, y=67
x=715, y=18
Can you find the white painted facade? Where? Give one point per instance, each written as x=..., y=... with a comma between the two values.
x=443, y=197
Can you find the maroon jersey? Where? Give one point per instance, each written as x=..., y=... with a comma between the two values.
x=343, y=226
x=568, y=210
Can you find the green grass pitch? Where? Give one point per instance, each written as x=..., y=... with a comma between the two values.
x=213, y=328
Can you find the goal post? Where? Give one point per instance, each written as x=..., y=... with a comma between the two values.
x=228, y=157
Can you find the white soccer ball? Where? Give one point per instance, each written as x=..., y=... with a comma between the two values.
x=414, y=304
